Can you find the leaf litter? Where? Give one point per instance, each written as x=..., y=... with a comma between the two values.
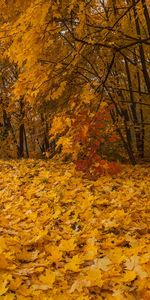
x=64, y=236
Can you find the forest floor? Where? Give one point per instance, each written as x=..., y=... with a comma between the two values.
x=65, y=237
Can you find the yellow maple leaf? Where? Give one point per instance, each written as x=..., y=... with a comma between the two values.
x=132, y=263
x=79, y=285
x=94, y=276
x=67, y=245
x=73, y=264
x=24, y=290
x=3, y=287
x=48, y=278
x=3, y=262
x=140, y=272
x=27, y=256
x=54, y=251
x=129, y=276
x=102, y=263
x=145, y=258
x=10, y=296
x=90, y=252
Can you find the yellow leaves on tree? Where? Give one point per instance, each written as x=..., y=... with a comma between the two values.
x=59, y=124
x=81, y=19
x=58, y=92
x=67, y=144
x=87, y=96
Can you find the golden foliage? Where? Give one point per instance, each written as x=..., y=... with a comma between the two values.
x=66, y=237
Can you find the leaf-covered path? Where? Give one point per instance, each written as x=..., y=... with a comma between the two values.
x=64, y=237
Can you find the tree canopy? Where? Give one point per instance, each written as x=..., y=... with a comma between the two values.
x=75, y=77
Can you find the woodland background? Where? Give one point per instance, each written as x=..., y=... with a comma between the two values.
x=74, y=80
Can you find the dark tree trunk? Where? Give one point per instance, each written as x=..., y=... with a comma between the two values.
x=21, y=141
x=26, y=144
x=146, y=14
x=141, y=50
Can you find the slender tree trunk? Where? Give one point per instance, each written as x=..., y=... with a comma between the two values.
x=141, y=49
x=26, y=144
x=126, y=145
x=146, y=14
x=21, y=141
x=21, y=130
x=137, y=126
x=8, y=126
x=142, y=128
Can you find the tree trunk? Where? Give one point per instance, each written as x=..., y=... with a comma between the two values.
x=21, y=141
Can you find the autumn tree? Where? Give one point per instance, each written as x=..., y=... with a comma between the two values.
x=75, y=58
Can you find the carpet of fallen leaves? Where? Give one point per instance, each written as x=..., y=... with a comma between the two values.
x=65, y=237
